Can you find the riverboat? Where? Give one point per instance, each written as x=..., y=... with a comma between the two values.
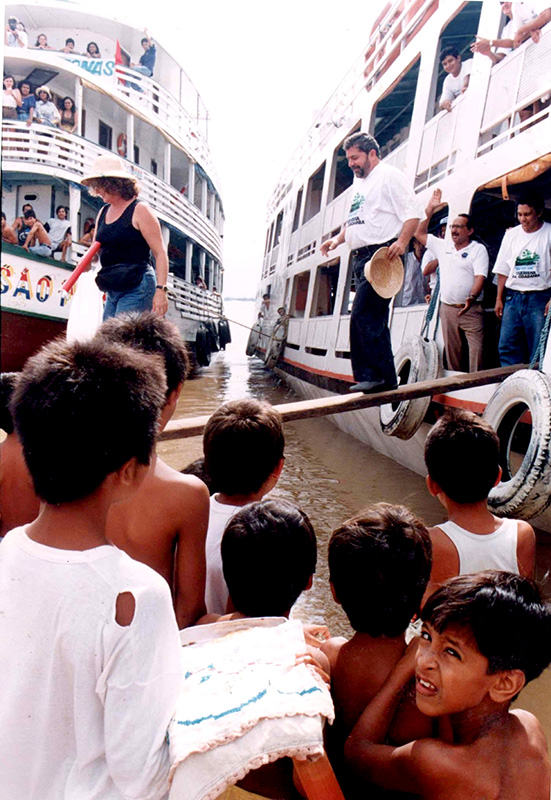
x=481, y=155
x=158, y=125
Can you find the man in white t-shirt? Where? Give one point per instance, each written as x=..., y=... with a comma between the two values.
x=463, y=269
x=384, y=212
x=16, y=36
x=59, y=228
x=523, y=267
x=457, y=79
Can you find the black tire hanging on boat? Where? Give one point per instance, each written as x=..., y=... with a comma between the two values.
x=212, y=335
x=276, y=343
x=224, y=334
x=202, y=351
x=254, y=338
x=416, y=360
x=527, y=493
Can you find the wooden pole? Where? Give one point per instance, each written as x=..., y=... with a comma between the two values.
x=337, y=404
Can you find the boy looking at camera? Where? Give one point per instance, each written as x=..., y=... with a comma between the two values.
x=484, y=638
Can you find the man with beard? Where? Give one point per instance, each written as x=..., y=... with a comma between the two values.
x=384, y=212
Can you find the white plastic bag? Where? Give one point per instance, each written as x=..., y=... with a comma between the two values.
x=86, y=309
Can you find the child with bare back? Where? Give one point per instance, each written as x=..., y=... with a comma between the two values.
x=462, y=458
x=484, y=637
x=243, y=446
x=379, y=565
x=89, y=648
x=165, y=523
x=18, y=501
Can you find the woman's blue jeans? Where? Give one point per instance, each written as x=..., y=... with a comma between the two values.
x=138, y=299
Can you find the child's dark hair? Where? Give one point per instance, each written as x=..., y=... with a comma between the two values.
x=268, y=556
x=82, y=410
x=379, y=565
x=243, y=443
x=152, y=334
x=8, y=381
x=505, y=614
x=462, y=456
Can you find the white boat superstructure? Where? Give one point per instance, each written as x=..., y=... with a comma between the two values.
x=158, y=125
x=480, y=154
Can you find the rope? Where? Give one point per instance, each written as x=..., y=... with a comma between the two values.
x=540, y=349
x=242, y=325
x=431, y=310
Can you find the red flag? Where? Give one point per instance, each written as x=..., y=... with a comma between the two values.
x=118, y=54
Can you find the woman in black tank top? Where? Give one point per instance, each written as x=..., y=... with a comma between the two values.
x=129, y=233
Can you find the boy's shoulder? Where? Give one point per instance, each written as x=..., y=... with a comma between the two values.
x=176, y=485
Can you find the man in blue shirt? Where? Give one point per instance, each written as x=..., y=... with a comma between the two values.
x=147, y=59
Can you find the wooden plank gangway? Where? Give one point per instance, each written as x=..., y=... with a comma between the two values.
x=338, y=404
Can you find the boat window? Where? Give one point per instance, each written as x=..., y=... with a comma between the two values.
x=459, y=32
x=342, y=175
x=298, y=209
x=391, y=119
x=154, y=166
x=299, y=294
x=136, y=154
x=271, y=236
x=267, y=247
x=177, y=253
x=325, y=290
x=313, y=193
x=105, y=135
x=278, y=227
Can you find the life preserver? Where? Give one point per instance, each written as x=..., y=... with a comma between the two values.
x=202, y=351
x=276, y=343
x=416, y=360
x=121, y=144
x=527, y=492
x=254, y=338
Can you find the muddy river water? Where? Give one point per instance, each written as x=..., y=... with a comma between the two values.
x=328, y=473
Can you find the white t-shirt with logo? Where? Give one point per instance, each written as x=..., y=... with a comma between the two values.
x=382, y=202
x=526, y=259
x=526, y=12
x=458, y=268
x=452, y=87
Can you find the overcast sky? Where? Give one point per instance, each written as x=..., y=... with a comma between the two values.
x=263, y=69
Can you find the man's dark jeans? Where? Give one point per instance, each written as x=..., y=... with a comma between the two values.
x=521, y=326
x=370, y=346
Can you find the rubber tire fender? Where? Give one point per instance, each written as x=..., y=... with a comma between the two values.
x=276, y=343
x=202, y=352
x=404, y=419
x=254, y=338
x=527, y=493
x=224, y=334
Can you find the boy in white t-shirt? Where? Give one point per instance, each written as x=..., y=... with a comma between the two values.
x=89, y=647
x=457, y=79
x=462, y=458
x=523, y=269
x=243, y=445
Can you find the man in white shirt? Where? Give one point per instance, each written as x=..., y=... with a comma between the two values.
x=457, y=79
x=384, y=212
x=463, y=269
x=59, y=229
x=523, y=267
x=16, y=35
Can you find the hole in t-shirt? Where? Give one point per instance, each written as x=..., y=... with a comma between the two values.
x=125, y=608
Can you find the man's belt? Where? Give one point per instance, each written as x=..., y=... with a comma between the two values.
x=461, y=305
x=370, y=249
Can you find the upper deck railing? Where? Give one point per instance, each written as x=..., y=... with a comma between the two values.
x=40, y=149
x=145, y=95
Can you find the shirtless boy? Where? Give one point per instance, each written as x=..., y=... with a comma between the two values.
x=379, y=565
x=38, y=240
x=484, y=637
x=165, y=523
x=243, y=445
x=462, y=458
x=8, y=234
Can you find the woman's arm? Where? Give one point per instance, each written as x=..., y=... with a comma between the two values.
x=147, y=223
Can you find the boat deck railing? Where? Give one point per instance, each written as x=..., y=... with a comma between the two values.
x=41, y=149
x=193, y=302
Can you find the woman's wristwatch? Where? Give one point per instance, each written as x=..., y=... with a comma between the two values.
x=162, y=288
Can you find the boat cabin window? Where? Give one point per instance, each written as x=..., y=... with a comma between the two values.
x=391, y=119
x=325, y=290
x=177, y=253
x=105, y=135
x=154, y=166
x=342, y=175
x=299, y=294
x=267, y=242
x=278, y=227
x=271, y=237
x=459, y=32
x=298, y=208
x=136, y=154
x=313, y=193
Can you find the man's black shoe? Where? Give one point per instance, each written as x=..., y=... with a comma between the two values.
x=370, y=387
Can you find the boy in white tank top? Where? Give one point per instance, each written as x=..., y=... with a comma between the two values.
x=462, y=458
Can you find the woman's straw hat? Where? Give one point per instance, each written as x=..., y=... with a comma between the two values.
x=43, y=89
x=385, y=274
x=107, y=167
